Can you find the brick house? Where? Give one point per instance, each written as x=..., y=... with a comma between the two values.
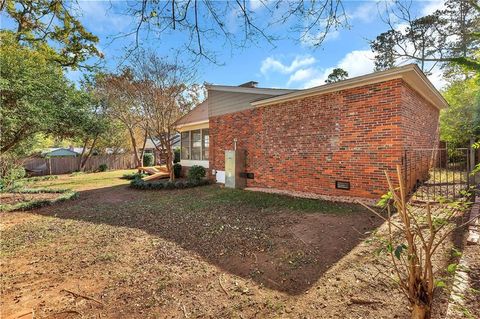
x=332, y=141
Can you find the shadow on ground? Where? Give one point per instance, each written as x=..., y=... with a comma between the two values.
x=283, y=248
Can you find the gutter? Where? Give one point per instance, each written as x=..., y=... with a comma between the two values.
x=371, y=78
x=191, y=123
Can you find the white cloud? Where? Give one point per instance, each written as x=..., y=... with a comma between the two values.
x=365, y=12
x=356, y=63
x=319, y=79
x=301, y=75
x=256, y=5
x=273, y=64
x=310, y=39
x=369, y=11
x=433, y=6
x=303, y=72
x=437, y=79
x=100, y=16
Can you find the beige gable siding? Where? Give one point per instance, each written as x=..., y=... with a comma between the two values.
x=221, y=102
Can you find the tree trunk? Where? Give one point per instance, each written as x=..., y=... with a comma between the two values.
x=420, y=312
x=80, y=160
x=143, y=147
x=168, y=150
x=170, y=162
x=134, y=145
x=89, y=154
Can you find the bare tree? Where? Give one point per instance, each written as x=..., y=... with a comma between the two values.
x=442, y=37
x=412, y=241
x=165, y=93
x=119, y=92
x=202, y=24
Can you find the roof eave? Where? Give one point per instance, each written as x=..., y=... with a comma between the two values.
x=191, y=124
x=239, y=89
x=435, y=98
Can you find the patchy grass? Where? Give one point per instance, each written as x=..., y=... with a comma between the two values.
x=198, y=252
x=36, y=198
x=276, y=201
x=88, y=180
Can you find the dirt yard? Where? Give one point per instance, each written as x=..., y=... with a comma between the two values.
x=205, y=252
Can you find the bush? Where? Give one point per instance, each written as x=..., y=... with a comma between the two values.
x=40, y=178
x=196, y=173
x=158, y=185
x=169, y=185
x=190, y=184
x=131, y=176
x=177, y=170
x=102, y=168
x=12, y=176
x=179, y=184
x=148, y=159
x=176, y=155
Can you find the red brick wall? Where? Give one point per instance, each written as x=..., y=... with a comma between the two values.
x=245, y=127
x=306, y=145
x=420, y=120
x=420, y=132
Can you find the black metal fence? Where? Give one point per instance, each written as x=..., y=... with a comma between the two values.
x=432, y=174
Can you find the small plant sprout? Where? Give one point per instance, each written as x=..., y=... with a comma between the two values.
x=412, y=241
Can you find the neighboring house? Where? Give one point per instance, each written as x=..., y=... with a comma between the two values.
x=150, y=147
x=334, y=140
x=61, y=152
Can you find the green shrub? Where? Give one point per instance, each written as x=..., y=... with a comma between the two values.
x=203, y=182
x=102, y=168
x=169, y=185
x=179, y=184
x=176, y=155
x=159, y=185
x=148, y=159
x=196, y=173
x=190, y=184
x=12, y=177
x=133, y=175
x=177, y=170
x=40, y=178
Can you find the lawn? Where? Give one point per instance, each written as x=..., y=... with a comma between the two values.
x=205, y=252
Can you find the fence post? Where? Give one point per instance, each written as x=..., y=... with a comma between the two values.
x=405, y=171
x=473, y=178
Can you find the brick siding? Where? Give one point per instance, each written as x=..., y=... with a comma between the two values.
x=305, y=145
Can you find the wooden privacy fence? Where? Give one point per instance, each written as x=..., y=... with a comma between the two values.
x=65, y=165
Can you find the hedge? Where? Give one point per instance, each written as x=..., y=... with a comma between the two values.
x=158, y=185
x=133, y=175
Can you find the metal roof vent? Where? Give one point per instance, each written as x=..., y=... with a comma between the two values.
x=249, y=84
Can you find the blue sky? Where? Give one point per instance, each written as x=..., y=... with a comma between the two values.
x=289, y=64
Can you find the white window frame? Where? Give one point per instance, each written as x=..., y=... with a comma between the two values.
x=190, y=143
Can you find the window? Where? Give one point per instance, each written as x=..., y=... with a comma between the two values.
x=185, y=142
x=205, y=143
x=195, y=145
